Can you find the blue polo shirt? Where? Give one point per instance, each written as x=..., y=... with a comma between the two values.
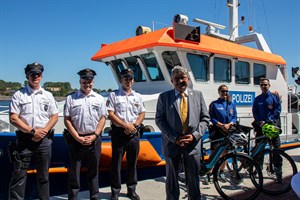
x=222, y=111
x=266, y=107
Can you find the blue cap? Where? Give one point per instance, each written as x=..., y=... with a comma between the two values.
x=127, y=73
x=87, y=73
x=34, y=67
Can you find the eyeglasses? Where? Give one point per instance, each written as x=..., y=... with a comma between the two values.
x=264, y=85
x=224, y=91
x=177, y=79
x=34, y=74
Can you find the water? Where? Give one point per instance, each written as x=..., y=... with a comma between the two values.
x=4, y=104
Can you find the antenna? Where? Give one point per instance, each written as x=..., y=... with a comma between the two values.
x=201, y=21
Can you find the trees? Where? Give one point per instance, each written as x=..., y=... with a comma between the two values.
x=6, y=88
x=56, y=88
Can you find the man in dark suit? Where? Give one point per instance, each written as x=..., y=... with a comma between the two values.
x=182, y=117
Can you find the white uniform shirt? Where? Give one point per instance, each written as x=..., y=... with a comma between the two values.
x=85, y=111
x=35, y=108
x=126, y=107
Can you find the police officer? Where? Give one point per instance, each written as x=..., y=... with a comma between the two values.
x=126, y=112
x=34, y=112
x=266, y=109
x=223, y=115
x=84, y=115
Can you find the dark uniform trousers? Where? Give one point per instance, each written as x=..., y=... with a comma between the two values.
x=79, y=153
x=122, y=143
x=42, y=155
x=276, y=143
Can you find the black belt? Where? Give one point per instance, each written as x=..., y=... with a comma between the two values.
x=139, y=132
x=69, y=139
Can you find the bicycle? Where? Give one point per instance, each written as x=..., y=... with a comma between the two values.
x=241, y=183
x=277, y=166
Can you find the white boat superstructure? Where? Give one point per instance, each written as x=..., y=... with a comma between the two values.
x=211, y=59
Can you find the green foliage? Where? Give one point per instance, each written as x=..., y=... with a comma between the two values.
x=9, y=86
x=56, y=88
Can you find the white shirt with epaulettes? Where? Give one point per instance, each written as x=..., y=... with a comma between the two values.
x=34, y=107
x=126, y=107
x=85, y=111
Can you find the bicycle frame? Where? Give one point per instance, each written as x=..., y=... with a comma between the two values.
x=215, y=156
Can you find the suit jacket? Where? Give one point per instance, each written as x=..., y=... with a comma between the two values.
x=168, y=120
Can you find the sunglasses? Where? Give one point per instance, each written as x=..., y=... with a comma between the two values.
x=34, y=74
x=127, y=78
x=86, y=82
x=263, y=85
x=224, y=91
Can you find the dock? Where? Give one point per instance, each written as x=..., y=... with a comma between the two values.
x=154, y=189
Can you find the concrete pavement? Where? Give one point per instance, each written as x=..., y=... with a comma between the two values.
x=154, y=189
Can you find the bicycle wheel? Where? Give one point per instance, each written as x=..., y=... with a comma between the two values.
x=237, y=181
x=278, y=169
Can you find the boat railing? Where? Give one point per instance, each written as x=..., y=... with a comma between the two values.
x=286, y=136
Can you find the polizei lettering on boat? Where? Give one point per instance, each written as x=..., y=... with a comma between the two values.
x=241, y=98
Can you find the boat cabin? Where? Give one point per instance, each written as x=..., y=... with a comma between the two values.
x=211, y=60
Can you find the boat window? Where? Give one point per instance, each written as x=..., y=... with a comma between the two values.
x=222, y=70
x=135, y=66
x=259, y=71
x=152, y=67
x=171, y=59
x=242, y=72
x=117, y=67
x=199, y=66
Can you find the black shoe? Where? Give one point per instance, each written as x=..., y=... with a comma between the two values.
x=114, y=197
x=133, y=196
x=205, y=180
x=222, y=177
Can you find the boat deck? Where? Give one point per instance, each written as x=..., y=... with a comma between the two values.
x=151, y=189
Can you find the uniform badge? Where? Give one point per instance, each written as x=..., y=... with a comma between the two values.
x=137, y=105
x=107, y=102
x=231, y=111
x=270, y=106
x=46, y=107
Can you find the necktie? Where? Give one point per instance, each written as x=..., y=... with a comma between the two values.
x=184, y=112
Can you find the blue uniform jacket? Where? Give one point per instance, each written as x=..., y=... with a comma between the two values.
x=266, y=107
x=222, y=111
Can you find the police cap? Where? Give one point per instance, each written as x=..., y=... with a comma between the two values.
x=34, y=67
x=87, y=73
x=128, y=73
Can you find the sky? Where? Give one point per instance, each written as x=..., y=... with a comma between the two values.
x=63, y=35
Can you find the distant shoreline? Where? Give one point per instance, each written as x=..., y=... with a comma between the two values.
x=5, y=98
x=8, y=98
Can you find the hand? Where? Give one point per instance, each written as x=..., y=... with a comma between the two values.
x=226, y=127
x=87, y=140
x=39, y=134
x=130, y=129
x=185, y=140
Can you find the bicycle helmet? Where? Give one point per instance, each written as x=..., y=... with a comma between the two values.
x=271, y=131
x=238, y=139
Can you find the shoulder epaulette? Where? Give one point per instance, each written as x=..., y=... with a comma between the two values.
x=71, y=93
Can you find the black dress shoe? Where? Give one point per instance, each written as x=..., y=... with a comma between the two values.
x=133, y=196
x=114, y=197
